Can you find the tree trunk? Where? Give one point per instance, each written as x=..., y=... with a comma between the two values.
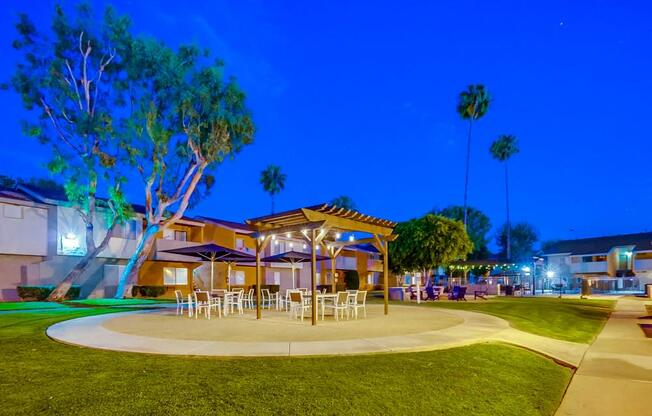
x=59, y=292
x=466, y=176
x=508, y=249
x=272, y=204
x=130, y=273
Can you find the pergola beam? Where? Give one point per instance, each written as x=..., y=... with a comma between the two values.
x=289, y=228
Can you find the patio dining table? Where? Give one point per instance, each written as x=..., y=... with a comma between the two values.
x=224, y=297
x=321, y=299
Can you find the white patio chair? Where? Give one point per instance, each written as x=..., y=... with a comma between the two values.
x=298, y=303
x=284, y=301
x=339, y=304
x=360, y=303
x=351, y=297
x=248, y=299
x=266, y=298
x=181, y=302
x=203, y=301
x=234, y=300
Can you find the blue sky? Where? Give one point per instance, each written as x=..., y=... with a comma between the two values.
x=359, y=99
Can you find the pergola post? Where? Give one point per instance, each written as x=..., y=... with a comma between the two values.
x=261, y=243
x=313, y=274
x=383, y=246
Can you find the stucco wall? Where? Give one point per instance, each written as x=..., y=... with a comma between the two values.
x=27, y=235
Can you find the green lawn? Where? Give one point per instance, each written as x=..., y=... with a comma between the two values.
x=117, y=302
x=19, y=306
x=40, y=376
x=574, y=320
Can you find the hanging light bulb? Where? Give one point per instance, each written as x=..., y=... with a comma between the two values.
x=338, y=235
x=288, y=235
x=351, y=238
x=304, y=246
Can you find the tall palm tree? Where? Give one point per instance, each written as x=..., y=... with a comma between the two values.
x=472, y=105
x=502, y=149
x=273, y=181
x=343, y=201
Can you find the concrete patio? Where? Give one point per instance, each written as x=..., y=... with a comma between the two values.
x=404, y=329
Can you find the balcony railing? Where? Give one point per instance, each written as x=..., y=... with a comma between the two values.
x=641, y=265
x=346, y=263
x=374, y=265
x=589, y=267
x=163, y=244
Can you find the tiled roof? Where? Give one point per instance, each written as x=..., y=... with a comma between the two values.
x=601, y=245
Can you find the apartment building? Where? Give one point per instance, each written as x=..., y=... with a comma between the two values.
x=611, y=264
x=42, y=238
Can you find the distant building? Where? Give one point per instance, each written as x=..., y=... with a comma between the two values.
x=612, y=264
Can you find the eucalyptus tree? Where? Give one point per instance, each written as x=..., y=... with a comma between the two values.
x=472, y=105
x=343, y=201
x=273, y=181
x=189, y=118
x=503, y=148
x=69, y=79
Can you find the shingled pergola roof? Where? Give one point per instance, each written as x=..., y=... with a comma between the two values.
x=329, y=215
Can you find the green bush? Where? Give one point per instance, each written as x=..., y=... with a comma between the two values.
x=148, y=291
x=351, y=279
x=40, y=293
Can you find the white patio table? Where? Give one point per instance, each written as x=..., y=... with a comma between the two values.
x=321, y=299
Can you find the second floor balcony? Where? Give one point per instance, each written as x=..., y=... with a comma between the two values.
x=589, y=267
x=163, y=244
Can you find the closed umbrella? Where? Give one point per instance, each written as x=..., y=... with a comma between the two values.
x=293, y=258
x=214, y=252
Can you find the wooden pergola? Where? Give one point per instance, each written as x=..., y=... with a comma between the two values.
x=320, y=225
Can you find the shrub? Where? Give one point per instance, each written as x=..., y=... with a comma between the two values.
x=351, y=279
x=40, y=293
x=148, y=291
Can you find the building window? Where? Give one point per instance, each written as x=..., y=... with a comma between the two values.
x=181, y=235
x=239, y=244
x=277, y=278
x=12, y=211
x=127, y=230
x=173, y=276
x=238, y=278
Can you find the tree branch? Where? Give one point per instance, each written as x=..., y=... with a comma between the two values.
x=74, y=82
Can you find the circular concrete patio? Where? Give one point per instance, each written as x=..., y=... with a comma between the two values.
x=406, y=328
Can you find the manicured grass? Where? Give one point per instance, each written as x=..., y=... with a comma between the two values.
x=40, y=376
x=18, y=306
x=117, y=302
x=577, y=320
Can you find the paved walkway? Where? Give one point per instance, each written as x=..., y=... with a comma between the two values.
x=246, y=336
x=615, y=376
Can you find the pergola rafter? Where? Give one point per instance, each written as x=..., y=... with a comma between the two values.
x=313, y=224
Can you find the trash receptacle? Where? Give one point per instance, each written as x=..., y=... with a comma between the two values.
x=509, y=290
x=648, y=290
x=586, y=287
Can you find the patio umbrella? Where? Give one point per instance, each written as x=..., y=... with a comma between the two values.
x=214, y=252
x=293, y=258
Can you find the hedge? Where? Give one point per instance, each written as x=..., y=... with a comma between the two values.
x=40, y=293
x=148, y=291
